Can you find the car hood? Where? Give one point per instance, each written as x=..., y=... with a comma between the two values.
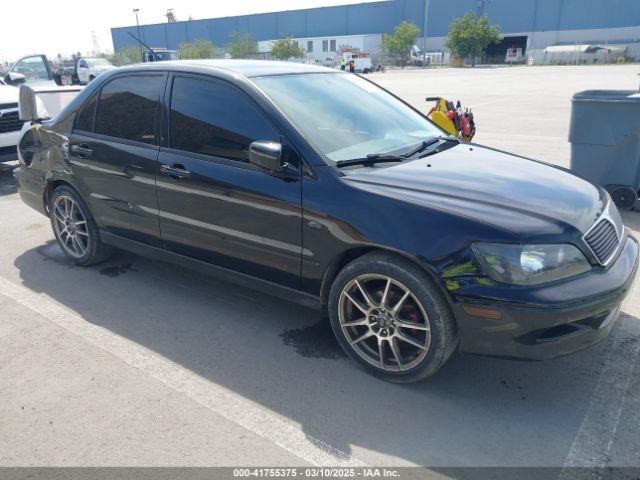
x=510, y=192
x=8, y=94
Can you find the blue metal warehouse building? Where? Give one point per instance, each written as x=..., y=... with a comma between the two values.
x=534, y=23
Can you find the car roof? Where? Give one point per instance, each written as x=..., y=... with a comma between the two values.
x=247, y=68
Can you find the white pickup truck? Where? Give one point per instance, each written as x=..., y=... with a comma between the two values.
x=36, y=72
x=87, y=69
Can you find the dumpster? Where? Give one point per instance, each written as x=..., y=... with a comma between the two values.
x=605, y=141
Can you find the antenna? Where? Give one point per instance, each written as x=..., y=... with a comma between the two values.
x=143, y=44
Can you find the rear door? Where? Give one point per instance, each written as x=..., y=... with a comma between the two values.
x=114, y=151
x=214, y=205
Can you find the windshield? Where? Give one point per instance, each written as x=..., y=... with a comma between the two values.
x=98, y=62
x=346, y=117
x=166, y=55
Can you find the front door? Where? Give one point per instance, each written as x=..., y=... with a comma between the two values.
x=114, y=157
x=83, y=71
x=214, y=205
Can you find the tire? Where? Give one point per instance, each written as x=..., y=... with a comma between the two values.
x=75, y=229
x=624, y=197
x=424, y=309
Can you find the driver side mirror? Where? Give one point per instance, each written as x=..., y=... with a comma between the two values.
x=14, y=78
x=267, y=155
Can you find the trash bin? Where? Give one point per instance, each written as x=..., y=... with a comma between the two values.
x=605, y=141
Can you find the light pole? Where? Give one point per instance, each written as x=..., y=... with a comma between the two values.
x=424, y=32
x=136, y=11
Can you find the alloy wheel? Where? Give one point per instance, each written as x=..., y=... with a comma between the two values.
x=70, y=226
x=384, y=322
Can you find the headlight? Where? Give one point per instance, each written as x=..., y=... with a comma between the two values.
x=530, y=264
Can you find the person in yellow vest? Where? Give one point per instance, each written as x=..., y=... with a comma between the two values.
x=343, y=64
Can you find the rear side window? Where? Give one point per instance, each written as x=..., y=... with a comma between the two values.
x=216, y=119
x=127, y=108
x=87, y=114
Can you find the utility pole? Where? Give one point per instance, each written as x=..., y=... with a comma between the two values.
x=424, y=32
x=136, y=11
x=481, y=5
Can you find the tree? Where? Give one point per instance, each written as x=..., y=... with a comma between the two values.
x=286, y=48
x=125, y=56
x=198, y=49
x=242, y=46
x=470, y=35
x=400, y=43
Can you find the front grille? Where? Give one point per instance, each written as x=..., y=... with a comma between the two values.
x=10, y=122
x=603, y=240
x=5, y=106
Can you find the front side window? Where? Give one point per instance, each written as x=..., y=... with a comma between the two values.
x=127, y=108
x=213, y=118
x=345, y=116
x=33, y=68
x=85, y=118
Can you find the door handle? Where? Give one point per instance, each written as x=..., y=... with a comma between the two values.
x=81, y=150
x=175, y=171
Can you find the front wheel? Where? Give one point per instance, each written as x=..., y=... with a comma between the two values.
x=390, y=318
x=75, y=229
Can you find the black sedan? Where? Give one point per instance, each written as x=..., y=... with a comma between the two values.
x=320, y=187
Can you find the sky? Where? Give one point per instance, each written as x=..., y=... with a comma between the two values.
x=66, y=26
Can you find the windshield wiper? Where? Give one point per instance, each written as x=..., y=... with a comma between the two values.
x=449, y=139
x=374, y=158
x=423, y=146
x=370, y=160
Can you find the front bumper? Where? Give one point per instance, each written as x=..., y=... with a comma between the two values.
x=550, y=321
x=8, y=146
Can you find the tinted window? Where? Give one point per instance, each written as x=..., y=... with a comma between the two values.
x=127, y=108
x=86, y=115
x=213, y=118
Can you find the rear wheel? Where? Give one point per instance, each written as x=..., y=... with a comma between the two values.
x=75, y=229
x=391, y=319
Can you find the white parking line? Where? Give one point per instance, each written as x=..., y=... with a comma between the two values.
x=224, y=402
x=592, y=444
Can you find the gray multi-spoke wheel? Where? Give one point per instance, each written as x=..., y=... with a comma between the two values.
x=70, y=226
x=75, y=228
x=389, y=316
x=384, y=322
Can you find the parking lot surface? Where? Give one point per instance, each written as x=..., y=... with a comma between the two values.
x=137, y=363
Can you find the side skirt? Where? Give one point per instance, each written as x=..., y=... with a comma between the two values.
x=221, y=273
